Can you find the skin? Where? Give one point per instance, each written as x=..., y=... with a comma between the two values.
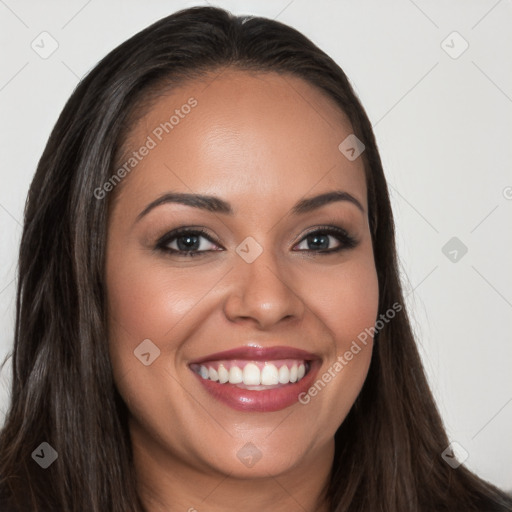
x=261, y=142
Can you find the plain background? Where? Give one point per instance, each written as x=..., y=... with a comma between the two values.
x=443, y=122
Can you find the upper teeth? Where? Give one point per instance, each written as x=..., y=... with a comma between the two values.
x=253, y=373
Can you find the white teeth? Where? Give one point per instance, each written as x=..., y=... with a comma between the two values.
x=203, y=371
x=213, y=374
x=293, y=373
x=269, y=375
x=223, y=374
x=251, y=375
x=235, y=375
x=284, y=374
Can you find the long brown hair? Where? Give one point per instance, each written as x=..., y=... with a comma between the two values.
x=388, y=449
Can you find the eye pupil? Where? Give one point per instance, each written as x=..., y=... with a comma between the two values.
x=191, y=242
x=321, y=239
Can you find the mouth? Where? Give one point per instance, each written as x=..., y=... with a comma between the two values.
x=257, y=379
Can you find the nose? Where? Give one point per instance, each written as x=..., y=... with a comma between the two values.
x=263, y=294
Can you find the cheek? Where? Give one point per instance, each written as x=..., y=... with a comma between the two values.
x=140, y=306
x=346, y=299
x=346, y=303
x=148, y=300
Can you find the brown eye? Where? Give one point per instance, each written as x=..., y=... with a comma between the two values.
x=187, y=242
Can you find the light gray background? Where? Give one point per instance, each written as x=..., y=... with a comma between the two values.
x=443, y=125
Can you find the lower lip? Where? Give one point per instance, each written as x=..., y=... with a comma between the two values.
x=260, y=401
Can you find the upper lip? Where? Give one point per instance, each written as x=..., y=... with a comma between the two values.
x=258, y=354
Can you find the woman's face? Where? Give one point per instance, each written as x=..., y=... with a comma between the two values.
x=257, y=301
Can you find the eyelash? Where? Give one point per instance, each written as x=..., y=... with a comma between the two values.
x=346, y=241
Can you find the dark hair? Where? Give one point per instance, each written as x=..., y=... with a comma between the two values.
x=388, y=449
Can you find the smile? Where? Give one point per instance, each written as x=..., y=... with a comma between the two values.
x=257, y=379
x=254, y=375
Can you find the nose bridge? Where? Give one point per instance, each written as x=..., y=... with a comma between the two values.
x=261, y=288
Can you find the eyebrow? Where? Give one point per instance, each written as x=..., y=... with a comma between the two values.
x=217, y=205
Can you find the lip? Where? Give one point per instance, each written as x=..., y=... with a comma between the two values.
x=266, y=400
x=258, y=354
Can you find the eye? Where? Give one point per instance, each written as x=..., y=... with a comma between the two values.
x=187, y=242
x=320, y=240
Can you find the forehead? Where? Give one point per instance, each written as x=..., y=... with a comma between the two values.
x=263, y=137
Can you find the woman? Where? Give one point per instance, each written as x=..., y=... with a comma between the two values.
x=209, y=313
